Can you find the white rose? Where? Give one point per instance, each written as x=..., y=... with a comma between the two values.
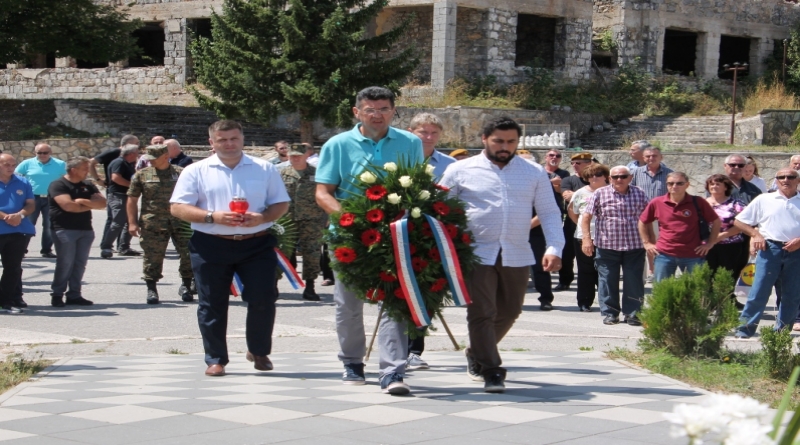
x=368, y=178
x=393, y=198
x=390, y=167
x=429, y=170
x=416, y=212
x=423, y=195
x=405, y=181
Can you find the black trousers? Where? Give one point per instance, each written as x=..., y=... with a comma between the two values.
x=541, y=279
x=12, y=249
x=729, y=256
x=417, y=345
x=587, y=275
x=325, y=264
x=214, y=261
x=566, y=274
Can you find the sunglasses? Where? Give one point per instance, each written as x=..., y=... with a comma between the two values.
x=736, y=165
x=553, y=156
x=786, y=177
x=620, y=176
x=679, y=184
x=599, y=175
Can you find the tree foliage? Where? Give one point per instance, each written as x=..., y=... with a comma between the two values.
x=268, y=57
x=69, y=28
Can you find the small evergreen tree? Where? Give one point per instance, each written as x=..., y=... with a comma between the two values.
x=268, y=57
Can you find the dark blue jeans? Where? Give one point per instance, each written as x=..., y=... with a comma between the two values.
x=214, y=261
x=608, y=263
x=773, y=264
x=666, y=265
x=43, y=208
x=116, y=224
x=12, y=250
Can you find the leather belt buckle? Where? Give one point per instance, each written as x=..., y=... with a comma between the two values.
x=237, y=237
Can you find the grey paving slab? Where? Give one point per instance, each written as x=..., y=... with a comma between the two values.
x=526, y=434
x=113, y=435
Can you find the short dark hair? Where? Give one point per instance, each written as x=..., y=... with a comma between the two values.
x=126, y=140
x=722, y=179
x=589, y=171
x=501, y=123
x=374, y=93
x=224, y=125
x=76, y=162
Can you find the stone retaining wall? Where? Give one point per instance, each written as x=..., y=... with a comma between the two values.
x=62, y=148
x=769, y=127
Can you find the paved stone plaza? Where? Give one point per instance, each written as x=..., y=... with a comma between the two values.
x=128, y=372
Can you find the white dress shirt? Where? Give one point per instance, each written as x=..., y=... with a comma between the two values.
x=777, y=217
x=500, y=206
x=210, y=185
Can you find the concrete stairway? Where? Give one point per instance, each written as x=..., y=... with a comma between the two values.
x=187, y=124
x=672, y=132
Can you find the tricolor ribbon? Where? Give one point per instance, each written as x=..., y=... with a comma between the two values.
x=405, y=271
x=286, y=266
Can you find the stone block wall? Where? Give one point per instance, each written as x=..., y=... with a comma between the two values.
x=573, y=49
x=418, y=34
x=769, y=127
x=63, y=149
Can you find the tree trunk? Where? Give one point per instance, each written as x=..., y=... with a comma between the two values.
x=306, y=131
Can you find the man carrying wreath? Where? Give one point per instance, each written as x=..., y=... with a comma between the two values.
x=371, y=141
x=500, y=192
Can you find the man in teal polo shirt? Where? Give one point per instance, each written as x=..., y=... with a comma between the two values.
x=373, y=141
x=16, y=203
x=40, y=172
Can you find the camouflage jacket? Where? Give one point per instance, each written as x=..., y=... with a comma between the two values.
x=155, y=187
x=302, y=190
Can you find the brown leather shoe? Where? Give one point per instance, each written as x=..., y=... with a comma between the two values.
x=261, y=363
x=215, y=370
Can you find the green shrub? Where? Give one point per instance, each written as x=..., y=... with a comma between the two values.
x=777, y=357
x=690, y=314
x=34, y=132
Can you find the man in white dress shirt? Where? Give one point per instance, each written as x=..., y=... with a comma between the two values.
x=500, y=191
x=226, y=242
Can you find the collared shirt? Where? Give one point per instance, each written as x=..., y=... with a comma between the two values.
x=181, y=160
x=634, y=164
x=652, y=185
x=500, y=206
x=345, y=155
x=678, y=224
x=746, y=192
x=12, y=199
x=617, y=226
x=777, y=217
x=41, y=175
x=439, y=161
x=210, y=185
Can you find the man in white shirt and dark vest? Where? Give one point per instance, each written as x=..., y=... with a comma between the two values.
x=500, y=192
x=227, y=242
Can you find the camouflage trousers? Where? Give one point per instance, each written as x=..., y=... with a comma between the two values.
x=309, y=243
x=154, y=239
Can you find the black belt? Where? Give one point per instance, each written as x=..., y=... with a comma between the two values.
x=777, y=242
x=241, y=237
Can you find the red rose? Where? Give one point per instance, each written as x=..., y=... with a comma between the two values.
x=441, y=208
x=426, y=230
x=465, y=238
x=399, y=293
x=347, y=220
x=438, y=285
x=441, y=187
x=376, y=294
x=412, y=249
x=345, y=254
x=370, y=237
x=451, y=230
x=375, y=215
x=376, y=192
x=387, y=277
x=418, y=264
x=411, y=226
x=434, y=254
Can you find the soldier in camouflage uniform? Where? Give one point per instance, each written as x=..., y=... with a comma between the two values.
x=308, y=217
x=156, y=225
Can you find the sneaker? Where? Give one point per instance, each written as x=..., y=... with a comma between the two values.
x=473, y=368
x=393, y=384
x=632, y=320
x=415, y=362
x=11, y=310
x=106, y=253
x=741, y=335
x=353, y=374
x=80, y=301
x=185, y=294
x=649, y=278
x=49, y=255
x=494, y=383
x=611, y=319
x=546, y=307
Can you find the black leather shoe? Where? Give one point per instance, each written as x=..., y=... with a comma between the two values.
x=561, y=287
x=57, y=301
x=49, y=255
x=546, y=307
x=585, y=309
x=473, y=368
x=632, y=320
x=19, y=303
x=80, y=301
x=494, y=383
x=130, y=252
x=611, y=319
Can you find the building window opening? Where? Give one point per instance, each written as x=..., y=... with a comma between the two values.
x=732, y=50
x=200, y=28
x=150, y=39
x=680, y=52
x=536, y=41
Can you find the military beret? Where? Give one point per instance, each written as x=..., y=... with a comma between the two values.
x=459, y=152
x=585, y=156
x=156, y=151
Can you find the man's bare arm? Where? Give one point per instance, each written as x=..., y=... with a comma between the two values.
x=68, y=205
x=116, y=178
x=93, y=169
x=326, y=199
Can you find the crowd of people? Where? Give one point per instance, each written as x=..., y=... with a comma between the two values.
x=633, y=222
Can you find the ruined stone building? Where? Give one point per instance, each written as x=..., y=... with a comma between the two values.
x=454, y=38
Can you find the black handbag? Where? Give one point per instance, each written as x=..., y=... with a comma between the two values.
x=705, y=231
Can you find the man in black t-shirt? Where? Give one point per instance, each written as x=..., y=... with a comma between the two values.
x=569, y=185
x=120, y=172
x=106, y=157
x=71, y=202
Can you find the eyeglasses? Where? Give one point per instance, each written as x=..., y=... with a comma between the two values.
x=736, y=165
x=676, y=184
x=42, y=152
x=550, y=155
x=786, y=177
x=373, y=112
x=620, y=176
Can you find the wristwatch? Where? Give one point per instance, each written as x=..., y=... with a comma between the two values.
x=209, y=218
